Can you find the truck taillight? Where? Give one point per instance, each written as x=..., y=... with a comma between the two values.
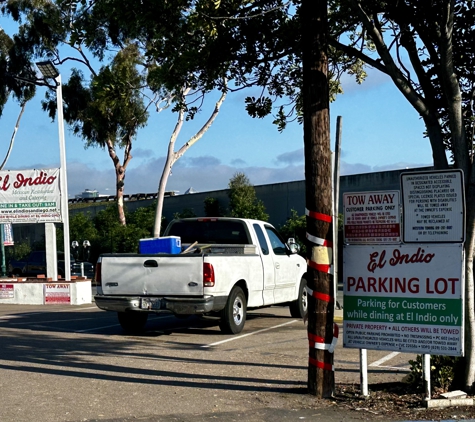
x=97, y=273
x=208, y=275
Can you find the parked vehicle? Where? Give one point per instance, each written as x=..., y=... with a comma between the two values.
x=35, y=264
x=224, y=267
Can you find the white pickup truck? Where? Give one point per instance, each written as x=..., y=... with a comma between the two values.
x=226, y=266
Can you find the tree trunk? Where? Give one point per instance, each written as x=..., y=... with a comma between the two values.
x=120, y=176
x=173, y=157
x=167, y=168
x=318, y=198
x=469, y=333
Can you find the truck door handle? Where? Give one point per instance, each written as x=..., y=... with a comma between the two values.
x=277, y=265
x=150, y=263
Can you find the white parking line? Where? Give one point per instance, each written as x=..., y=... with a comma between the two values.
x=249, y=334
x=385, y=359
x=95, y=328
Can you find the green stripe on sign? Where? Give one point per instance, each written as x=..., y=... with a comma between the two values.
x=403, y=310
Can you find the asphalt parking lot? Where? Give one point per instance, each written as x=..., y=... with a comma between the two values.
x=74, y=363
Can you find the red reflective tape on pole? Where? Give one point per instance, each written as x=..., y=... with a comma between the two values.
x=321, y=365
x=319, y=342
x=315, y=338
x=321, y=296
x=324, y=268
x=319, y=216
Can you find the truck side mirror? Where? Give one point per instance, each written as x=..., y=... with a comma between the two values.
x=293, y=245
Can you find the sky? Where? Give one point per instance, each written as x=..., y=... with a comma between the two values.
x=380, y=131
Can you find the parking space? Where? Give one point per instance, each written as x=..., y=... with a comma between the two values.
x=75, y=363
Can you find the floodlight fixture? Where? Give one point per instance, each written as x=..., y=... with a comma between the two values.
x=48, y=69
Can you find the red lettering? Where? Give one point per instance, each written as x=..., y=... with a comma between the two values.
x=418, y=257
x=441, y=286
x=42, y=179
x=373, y=264
x=5, y=184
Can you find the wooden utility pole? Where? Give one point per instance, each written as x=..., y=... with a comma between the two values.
x=318, y=197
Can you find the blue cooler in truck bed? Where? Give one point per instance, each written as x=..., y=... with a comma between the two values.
x=167, y=244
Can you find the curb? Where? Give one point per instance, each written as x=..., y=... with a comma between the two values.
x=439, y=403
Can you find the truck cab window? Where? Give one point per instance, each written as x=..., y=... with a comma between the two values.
x=262, y=239
x=277, y=244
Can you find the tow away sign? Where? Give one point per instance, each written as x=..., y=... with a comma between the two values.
x=371, y=217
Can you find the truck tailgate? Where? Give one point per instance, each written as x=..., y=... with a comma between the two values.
x=160, y=275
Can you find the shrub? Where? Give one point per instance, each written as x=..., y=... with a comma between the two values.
x=442, y=372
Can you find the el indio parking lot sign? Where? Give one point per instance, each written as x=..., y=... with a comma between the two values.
x=433, y=206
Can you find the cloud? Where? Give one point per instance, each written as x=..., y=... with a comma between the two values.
x=238, y=162
x=141, y=152
x=82, y=176
x=291, y=157
x=203, y=161
x=200, y=173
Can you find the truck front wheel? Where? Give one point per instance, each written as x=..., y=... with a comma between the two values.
x=132, y=322
x=298, y=308
x=233, y=316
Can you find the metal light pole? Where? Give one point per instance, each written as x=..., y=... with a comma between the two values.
x=49, y=71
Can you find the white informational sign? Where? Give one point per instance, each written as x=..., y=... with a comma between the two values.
x=406, y=298
x=55, y=293
x=30, y=196
x=433, y=206
x=371, y=217
x=8, y=235
x=7, y=291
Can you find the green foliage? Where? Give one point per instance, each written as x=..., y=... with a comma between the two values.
x=442, y=372
x=108, y=108
x=212, y=207
x=81, y=227
x=243, y=201
x=18, y=251
x=106, y=234
x=185, y=213
x=296, y=227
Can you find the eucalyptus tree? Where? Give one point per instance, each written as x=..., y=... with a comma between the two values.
x=108, y=106
x=107, y=111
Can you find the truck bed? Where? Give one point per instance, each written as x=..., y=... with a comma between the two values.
x=164, y=274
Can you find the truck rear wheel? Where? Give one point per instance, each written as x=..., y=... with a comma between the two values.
x=298, y=308
x=132, y=322
x=233, y=316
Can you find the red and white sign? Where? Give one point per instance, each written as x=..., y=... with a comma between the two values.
x=30, y=196
x=371, y=217
x=57, y=293
x=7, y=291
x=406, y=298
